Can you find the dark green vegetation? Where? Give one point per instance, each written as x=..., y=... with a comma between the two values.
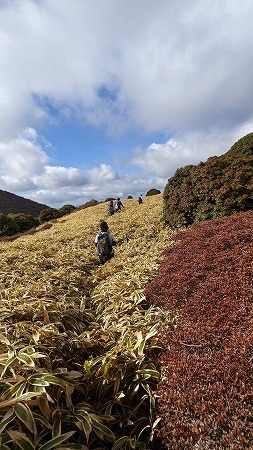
x=205, y=391
x=18, y=214
x=217, y=188
x=14, y=204
x=243, y=147
x=153, y=192
x=12, y=224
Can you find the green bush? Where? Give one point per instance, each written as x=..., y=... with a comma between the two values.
x=66, y=209
x=153, y=192
x=7, y=226
x=23, y=222
x=48, y=214
x=243, y=147
x=219, y=187
x=11, y=224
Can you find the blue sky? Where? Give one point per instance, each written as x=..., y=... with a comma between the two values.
x=102, y=98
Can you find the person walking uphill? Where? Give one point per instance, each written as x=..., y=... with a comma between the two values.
x=111, y=208
x=104, y=241
x=118, y=205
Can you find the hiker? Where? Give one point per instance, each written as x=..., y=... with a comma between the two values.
x=118, y=205
x=104, y=242
x=111, y=208
x=140, y=201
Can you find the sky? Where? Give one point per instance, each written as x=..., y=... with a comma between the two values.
x=107, y=98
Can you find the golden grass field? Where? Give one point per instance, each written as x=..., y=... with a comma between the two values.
x=51, y=263
x=61, y=263
x=75, y=333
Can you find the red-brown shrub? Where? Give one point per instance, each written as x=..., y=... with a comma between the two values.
x=206, y=388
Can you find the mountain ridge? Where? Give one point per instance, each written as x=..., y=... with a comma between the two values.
x=15, y=204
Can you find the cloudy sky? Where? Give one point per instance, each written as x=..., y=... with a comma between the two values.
x=104, y=98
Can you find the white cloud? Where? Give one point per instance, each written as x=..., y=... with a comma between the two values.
x=122, y=187
x=181, y=64
x=103, y=173
x=57, y=177
x=24, y=169
x=193, y=147
x=20, y=161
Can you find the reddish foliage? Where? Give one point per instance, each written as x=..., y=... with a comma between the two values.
x=206, y=391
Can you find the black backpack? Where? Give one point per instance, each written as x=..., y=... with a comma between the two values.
x=104, y=245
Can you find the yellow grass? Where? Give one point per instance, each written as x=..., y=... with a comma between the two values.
x=64, y=317
x=61, y=262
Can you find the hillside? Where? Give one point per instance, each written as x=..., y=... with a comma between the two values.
x=205, y=392
x=243, y=147
x=79, y=346
x=12, y=203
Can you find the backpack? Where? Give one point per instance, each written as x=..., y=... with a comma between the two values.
x=104, y=245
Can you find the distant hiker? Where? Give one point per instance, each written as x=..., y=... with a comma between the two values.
x=118, y=205
x=140, y=200
x=104, y=242
x=111, y=208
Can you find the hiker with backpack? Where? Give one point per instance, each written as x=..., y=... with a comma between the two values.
x=111, y=208
x=118, y=205
x=140, y=201
x=104, y=242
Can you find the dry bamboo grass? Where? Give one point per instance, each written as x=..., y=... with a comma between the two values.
x=55, y=298
x=61, y=262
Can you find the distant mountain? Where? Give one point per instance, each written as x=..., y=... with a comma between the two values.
x=12, y=203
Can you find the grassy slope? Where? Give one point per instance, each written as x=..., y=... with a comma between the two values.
x=58, y=261
x=56, y=299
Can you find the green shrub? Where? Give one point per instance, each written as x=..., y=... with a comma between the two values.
x=219, y=187
x=153, y=192
x=23, y=222
x=7, y=226
x=243, y=147
x=66, y=209
x=48, y=214
x=11, y=224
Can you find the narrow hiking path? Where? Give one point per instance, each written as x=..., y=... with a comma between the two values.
x=80, y=337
